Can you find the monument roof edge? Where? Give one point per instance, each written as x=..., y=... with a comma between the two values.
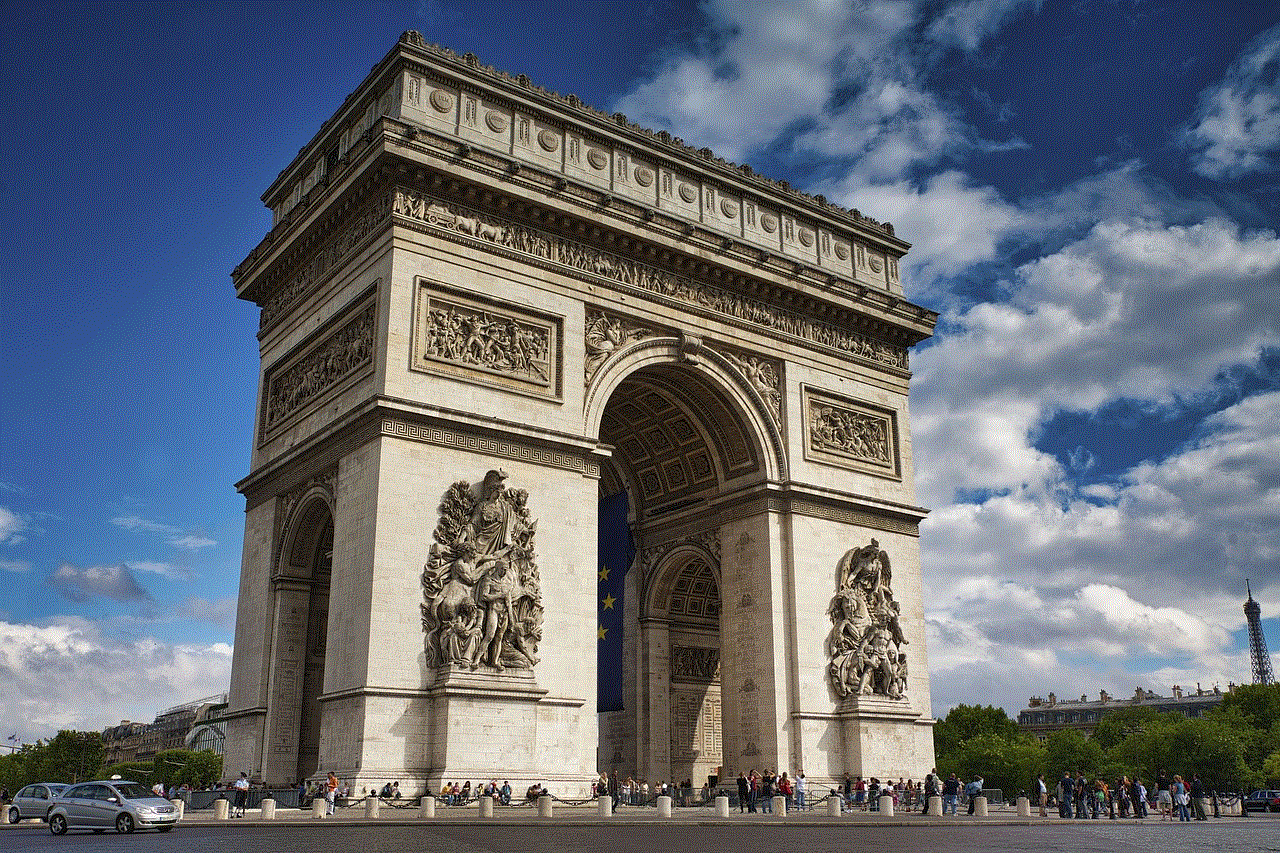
x=412, y=45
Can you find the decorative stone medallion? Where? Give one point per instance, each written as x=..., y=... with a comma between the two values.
x=441, y=101
x=728, y=208
x=644, y=177
x=688, y=193
x=769, y=223
x=548, y=140
x=496, y=121
x=597, y=158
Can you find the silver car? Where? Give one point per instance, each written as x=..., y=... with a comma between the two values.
x=99, y=806
x=34, y=801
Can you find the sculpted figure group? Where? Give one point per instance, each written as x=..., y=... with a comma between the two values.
x=865, y=646
x=482, y=594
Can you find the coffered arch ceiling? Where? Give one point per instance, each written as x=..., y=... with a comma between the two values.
x=677, y=437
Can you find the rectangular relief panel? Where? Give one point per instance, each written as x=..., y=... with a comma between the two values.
x=327, y=361
x=478, y=339
x=851, y=434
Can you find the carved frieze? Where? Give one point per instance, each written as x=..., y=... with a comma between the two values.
x=482, y=595
x=691, y=663
x=850, y=434
x=321, y=366
x=555, y=249
x=473, y=337
x=865, y=646
x=605, y=335
x=327, y=258
x=765, y=375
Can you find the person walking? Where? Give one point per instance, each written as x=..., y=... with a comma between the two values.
x=1042, y=794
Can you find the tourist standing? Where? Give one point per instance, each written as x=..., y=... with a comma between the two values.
x=1197, y=797
x=331, y=793
x=801, y=788
x=1042, y=795
x=950, y=794
x=241, y=787
x=744, y=791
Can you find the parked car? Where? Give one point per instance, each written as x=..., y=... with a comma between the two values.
x=1263, y=801
x=34, y=801
x=126, y=806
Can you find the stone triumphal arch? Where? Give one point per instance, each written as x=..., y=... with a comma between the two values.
x=485, y=308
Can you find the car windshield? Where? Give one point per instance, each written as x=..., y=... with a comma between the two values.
x=134, y=791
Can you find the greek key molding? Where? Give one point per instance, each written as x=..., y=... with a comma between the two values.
x=301, y=378
x=850, y=434
x=483, y=445
x=547, y=248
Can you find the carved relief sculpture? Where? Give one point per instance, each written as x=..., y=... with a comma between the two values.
x=763, y=374
x=850, y=433
x=478, y=338
x=865, y=646
x=482, y=594
x=604, y=336
x=332, y=360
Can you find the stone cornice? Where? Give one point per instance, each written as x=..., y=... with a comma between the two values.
x=413, y=52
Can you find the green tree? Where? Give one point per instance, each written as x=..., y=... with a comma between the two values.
x=964, y=722
x=1068, y=749
x=1117, y=725
x=71, y=757
x=1258, y=703
x=1271, y=769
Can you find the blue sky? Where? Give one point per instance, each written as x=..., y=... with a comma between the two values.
x=1091, y=190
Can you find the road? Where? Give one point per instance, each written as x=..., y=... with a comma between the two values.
x=810, y=834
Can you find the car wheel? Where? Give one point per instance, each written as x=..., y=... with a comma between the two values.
x=124, y=824
x=57, y=824
x=163, y=828
x=14, y=815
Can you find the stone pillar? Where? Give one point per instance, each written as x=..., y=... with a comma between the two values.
x=544, y=806
x=427, y=807
x=318, y=807
x=268, y=808
x=780, y=806
x=833, y=805
x=372, y=808
x=485, y=805
x=181, y=805
x=1024, y=807
x=220, y=809
x=979, y=806
x=935, y=806
x=886, y=805
x=604, y=806
x=664, y=806
x=722, y=806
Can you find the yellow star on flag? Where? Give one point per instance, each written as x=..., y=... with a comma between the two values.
x=608, y=602
x=604, y=573
x=602, y=631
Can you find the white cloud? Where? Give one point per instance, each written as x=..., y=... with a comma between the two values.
x=15, y=565
x=173, y=535
x=68, y=673
x=967, y=24
x=1237, y=127
x=85, y=584
x=165, y=570
x=12, y=527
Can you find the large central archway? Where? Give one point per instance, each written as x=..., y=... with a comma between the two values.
x=685, y=438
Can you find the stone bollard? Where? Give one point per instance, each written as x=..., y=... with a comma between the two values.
x=268, y=808
x=372, y=807
x=485, y=805
x=779, y=806
x=319, y=806
x=544, y=805
x=220, y=809
x=664, y=807
x=181, y=805
x=604, y=806
x=1024, y=807
x=935, y=806
x=979, y=806
x=833, y=806
x=722, y=806
x=886, y=805
x=427, y=807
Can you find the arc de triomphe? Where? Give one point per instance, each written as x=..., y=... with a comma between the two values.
x=485, y=308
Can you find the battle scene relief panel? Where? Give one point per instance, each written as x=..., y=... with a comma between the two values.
x=851, y=434
x=472, y=337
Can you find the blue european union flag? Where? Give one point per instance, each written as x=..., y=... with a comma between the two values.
x=615, y=553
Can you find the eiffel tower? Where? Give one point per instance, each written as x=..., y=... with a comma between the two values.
x=1262, y=673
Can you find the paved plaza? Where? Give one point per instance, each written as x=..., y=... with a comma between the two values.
x=640, y=830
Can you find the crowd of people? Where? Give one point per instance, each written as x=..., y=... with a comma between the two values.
x=1081, y=798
